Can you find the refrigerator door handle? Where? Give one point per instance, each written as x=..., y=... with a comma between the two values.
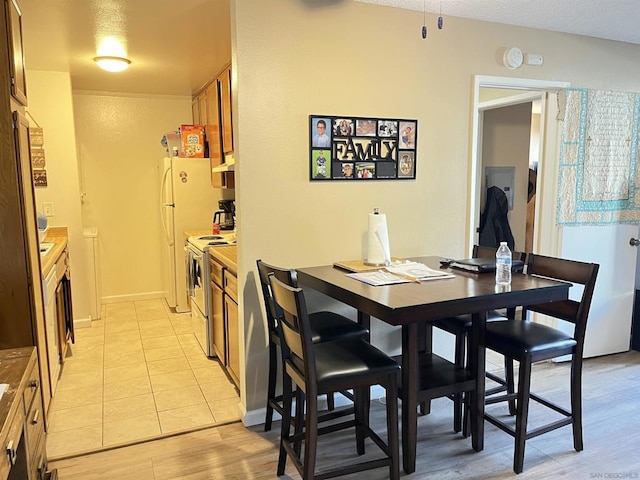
x=163, y=205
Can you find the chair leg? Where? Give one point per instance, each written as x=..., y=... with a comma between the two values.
x=285, y=428
x=271, y=387
x=310, y=436
x=576, y=401
x=393, y=441
x=524, y=384
x=461, y=340
x=510, y=379
x=425, y=407
x=331, y=403
x=361, y=417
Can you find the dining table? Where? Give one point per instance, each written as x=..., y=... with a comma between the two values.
x=411, y=305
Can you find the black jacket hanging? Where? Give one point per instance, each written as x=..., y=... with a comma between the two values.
x=494, y=225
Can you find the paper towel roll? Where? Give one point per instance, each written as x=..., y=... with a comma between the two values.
x=378, y=252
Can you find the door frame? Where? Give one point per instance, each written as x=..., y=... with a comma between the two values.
x=547, y=177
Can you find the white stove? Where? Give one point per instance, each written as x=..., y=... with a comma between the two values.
x=201, y=242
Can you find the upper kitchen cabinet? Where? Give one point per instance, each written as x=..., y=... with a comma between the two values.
x=225, y=107
x=13, y=18
x=213, y=131
x=212, y=108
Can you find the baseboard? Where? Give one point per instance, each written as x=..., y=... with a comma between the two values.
x=256, y=417
x=132, y=298
x=82, y=322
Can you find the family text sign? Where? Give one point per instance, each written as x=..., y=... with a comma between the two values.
x=361, y=148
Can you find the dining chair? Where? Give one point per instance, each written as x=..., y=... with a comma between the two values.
x=325, y=327
x=460, y=327
x=527, y=342
x=320, y=368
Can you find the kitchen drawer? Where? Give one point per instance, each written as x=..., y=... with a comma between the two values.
x=216, y=272
x=12, y=441
x=231, y=285
x=35, y=425
x=33, y=387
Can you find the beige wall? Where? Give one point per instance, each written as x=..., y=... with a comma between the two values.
x=295, y=58
x=50, y=104
x=118, y=139
x=505, y=143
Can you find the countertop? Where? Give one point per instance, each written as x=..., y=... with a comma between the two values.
x=59, y=237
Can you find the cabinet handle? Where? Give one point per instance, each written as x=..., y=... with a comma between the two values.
x=11, y=453
x=35, y=418
x=33, y=384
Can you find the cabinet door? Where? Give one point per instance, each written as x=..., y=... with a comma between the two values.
x=18, y=79
x=225, y=106
x=214, y=132
x=217, y=323
x=27, y=199
x=202, y=108
x=233, y=341
x=195, y=111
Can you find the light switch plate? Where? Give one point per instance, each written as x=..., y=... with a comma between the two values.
x=47, y=208
x=534, y=59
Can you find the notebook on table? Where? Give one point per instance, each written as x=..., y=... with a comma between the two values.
x=483, y=265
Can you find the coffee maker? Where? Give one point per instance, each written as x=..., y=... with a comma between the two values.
x=225, y=217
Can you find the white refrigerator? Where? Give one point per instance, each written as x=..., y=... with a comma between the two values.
x=187, y=202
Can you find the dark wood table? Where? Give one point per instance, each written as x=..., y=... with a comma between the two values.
x=410, y=304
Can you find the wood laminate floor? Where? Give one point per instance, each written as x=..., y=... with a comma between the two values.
x=137, y=373
x=611, y=431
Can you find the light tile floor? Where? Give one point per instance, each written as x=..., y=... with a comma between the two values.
x=137, y=373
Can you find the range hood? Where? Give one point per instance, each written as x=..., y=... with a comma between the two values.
x=228, y=166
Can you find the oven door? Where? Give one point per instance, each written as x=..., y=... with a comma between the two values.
x=197, y=291
x=196, y=278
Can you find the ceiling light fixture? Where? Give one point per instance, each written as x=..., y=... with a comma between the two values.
x=112, y=64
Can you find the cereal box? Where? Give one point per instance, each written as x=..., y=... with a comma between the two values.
x=192, y=141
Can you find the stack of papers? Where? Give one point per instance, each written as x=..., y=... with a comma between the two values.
x=400, y=272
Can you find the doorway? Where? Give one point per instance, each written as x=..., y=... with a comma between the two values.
x=500, y=92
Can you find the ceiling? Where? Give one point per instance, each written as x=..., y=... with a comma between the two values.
x=613, y=20
x=176, y=46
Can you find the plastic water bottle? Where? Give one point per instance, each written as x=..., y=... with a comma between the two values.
x=503, y=264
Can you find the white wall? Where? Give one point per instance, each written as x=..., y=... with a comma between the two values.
x=350, y=58
x=119, y=149
x=50, y=104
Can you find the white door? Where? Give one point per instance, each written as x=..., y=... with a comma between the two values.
x=609, y=325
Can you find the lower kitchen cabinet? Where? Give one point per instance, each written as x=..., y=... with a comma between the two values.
x=23, y=428
x=224, y=317
x=217, y=311
x=231, y=311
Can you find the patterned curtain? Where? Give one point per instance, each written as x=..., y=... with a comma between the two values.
x=599, y=179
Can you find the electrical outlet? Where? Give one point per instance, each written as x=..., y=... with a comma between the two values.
x=48, y=209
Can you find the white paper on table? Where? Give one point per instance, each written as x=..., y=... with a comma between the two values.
x=418, y=271
x=400, y=272
x=3, y=387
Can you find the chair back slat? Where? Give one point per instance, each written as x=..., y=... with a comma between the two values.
x=572, y=271
x=296, y=333
x=273, y=310
x=480, y=251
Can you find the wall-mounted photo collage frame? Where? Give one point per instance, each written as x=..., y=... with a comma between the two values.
x=343, y=148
